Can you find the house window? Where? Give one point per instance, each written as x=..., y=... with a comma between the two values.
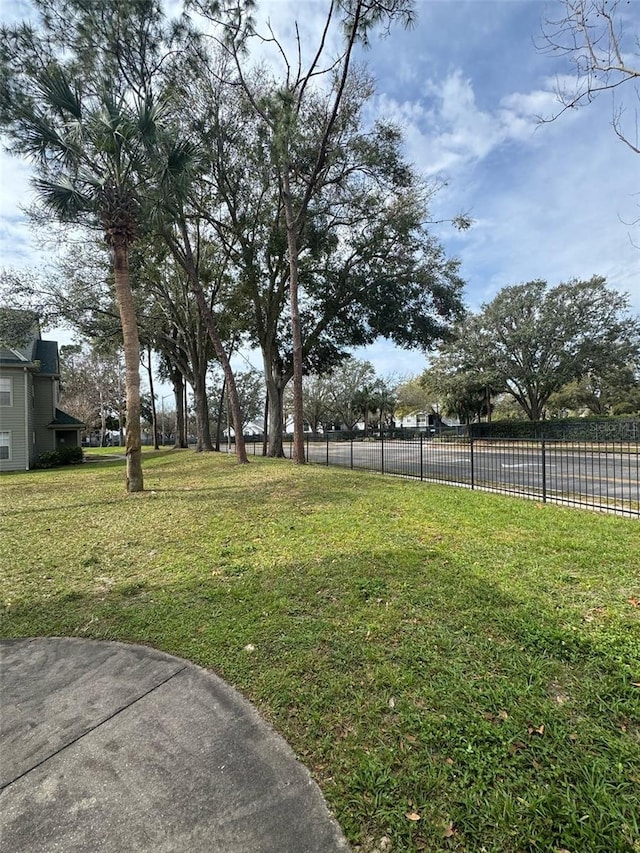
x=5, y=391
x=421, y=420
x=5, y=445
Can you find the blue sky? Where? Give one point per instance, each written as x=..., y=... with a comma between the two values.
x=466, y=84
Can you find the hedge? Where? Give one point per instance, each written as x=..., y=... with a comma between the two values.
x=563, y=429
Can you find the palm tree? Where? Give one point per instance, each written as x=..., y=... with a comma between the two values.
x=90, y=172
x=77, y=99
x=91, y=154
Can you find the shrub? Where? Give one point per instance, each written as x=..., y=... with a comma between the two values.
x=62, y=456
x=562, y=429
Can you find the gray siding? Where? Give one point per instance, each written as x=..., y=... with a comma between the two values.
x=44, y=413
x=12, y=419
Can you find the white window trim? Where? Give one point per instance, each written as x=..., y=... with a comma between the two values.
x=6, y=432
x=8, y=379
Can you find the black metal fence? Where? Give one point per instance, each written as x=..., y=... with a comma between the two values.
x=603, y=476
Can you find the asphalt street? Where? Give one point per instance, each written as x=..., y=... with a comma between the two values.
x=587, y=475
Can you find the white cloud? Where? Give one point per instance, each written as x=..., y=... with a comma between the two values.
x=468, y=87
x=531, y=104
x=16, y=191
x=446, y=130
x=558, y=216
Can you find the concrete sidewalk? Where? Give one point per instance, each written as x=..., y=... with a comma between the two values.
x=114, y=747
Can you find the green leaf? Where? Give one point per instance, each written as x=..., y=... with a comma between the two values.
x=58, y=93
x=62, y=197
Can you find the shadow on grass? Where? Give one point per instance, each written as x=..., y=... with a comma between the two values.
x=405, y=685
x=234, y=493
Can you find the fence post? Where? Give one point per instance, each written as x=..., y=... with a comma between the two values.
x=472, y=462
x=544, y=472
x=421, y=462
x=351, y=452
x=381, y=452
x=327, y=450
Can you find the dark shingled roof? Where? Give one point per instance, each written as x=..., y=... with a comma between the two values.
x=63, y=419
x=46, y=352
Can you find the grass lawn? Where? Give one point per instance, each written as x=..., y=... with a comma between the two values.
x=460, y=671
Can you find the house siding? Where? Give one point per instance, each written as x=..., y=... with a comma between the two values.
x=33, y=422
x=44, y=413
x=12, y=420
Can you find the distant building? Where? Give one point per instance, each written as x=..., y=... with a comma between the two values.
x=30, y=421
x=426, y=420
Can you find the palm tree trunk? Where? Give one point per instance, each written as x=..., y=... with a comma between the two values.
x=131, y=344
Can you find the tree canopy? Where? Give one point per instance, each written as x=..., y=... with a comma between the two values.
x=79, y=102
x=532, y=339
x=280, y=204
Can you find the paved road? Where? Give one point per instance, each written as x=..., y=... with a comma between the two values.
x=587, y=476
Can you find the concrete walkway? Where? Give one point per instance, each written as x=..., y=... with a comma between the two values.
x=114, y=747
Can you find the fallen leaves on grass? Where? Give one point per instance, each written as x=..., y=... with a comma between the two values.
x=500, y=717
x=449, y=830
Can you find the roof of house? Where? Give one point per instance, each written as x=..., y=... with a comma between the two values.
x=62, y=419
x=22, y=330
x=32, y=353
x=46, y=354
x=10, y=356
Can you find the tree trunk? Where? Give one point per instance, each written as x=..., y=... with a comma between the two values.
x=275, y=409
x=186, y=259
x=223, y=394
x=296, y=328
x=131, y=342
x=203, y=428
x=276, y=424
x=178, y=390
x=103, y=421
x=185, y=406
x=534, y=410
x=241, y=452
x=265, y=425
x=154, y=416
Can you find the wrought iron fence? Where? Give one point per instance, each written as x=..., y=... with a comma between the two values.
x=604, y=476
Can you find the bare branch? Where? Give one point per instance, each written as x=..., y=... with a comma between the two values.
x=594, y=36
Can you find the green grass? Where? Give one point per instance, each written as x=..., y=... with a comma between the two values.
x=468, y=658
